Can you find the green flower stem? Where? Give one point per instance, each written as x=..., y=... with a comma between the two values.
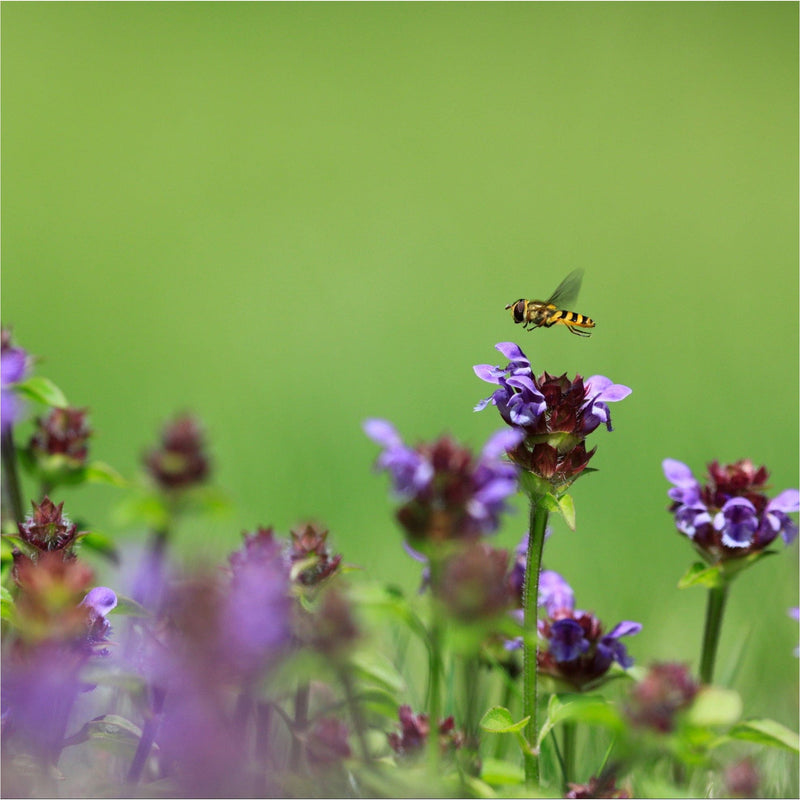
x=355, y=712
x=568, y=748
x=530, y=598
x=12, y=496
x=715, y=609
x=436, y=668
x=300, y=723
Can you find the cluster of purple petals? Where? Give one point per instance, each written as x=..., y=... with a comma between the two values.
x=726, y=517
x=578, y=651
x=521, y=403
x=14, y=366
x=413, y=471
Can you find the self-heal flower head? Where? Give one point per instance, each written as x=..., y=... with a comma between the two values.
x=448, y=493
x=14, y=367
x=577, y=650
x=181, y=461
x=555, y=414
x=730, y=515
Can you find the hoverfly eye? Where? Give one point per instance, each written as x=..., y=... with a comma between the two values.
x=519, y=311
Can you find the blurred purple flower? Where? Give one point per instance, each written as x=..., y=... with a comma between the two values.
x=566, y=640
x=449, y=494
x=14, y=366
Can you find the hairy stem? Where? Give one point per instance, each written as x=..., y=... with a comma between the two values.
x=530, y=598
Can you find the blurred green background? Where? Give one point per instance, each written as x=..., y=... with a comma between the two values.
x=290, y=217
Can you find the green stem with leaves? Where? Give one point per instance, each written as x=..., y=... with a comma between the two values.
x=715, y=610
x=530, y=603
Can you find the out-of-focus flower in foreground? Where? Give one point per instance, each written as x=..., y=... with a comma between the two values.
x=14, y=367
x=554, y=414
x=448, y=494
x=656, y=700
x=730, y=516
x=414, y=732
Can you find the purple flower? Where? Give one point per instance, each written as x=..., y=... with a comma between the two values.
x=578, y=651
x=555, y=594
x=566, y=640
x=410, y=472
x=449, y=494
x=14, y=365
x=687, y=489
x=775, y=515
x=600, y=391
x=555, y=414
x=730, y=516
x=737, y=521
x=609, y=648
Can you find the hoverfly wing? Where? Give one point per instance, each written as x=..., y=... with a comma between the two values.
x=567, y=291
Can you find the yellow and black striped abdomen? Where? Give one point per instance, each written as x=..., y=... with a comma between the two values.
x=559, y=316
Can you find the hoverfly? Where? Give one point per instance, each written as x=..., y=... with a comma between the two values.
x=544, y=314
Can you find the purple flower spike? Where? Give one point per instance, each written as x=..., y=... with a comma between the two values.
x=567, y=641
x=450, y=494
x=730, y=516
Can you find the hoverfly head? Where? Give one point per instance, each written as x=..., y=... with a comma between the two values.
x=517, y=310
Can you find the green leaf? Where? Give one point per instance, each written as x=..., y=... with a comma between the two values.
x=499, y=720
x=142, y=508
x=589, y=709
x=498, y=772
x=129, y=608
x=101, y=544
x=42, y=390
x=715, y=706
x=100, y=472
x=7, y=607
x=766, y=732
x=700, y=574
x=379, y=668
x=111, y=732
x=566, y=505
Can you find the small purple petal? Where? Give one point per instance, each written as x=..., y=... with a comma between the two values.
x=382, y=432
x=488, y=373
x=554, y=592
x=677, y=473
x=502, y=441
x=101, y=599
x=738, y=522
x=511, y=351
x=625, y=628
x=787, y=501
x=603, y=389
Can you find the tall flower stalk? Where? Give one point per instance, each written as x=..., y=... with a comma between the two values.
x=449, y=499
x=554, y=416
x=730, y=521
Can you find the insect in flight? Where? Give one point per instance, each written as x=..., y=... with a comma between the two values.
x=546, y=313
